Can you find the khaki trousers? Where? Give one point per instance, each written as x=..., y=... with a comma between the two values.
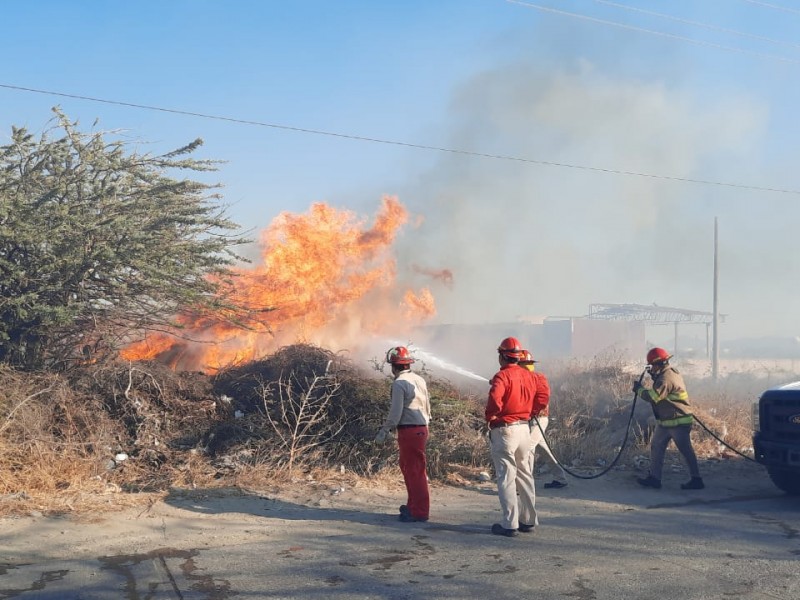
x=511, y=448
x=537, y=441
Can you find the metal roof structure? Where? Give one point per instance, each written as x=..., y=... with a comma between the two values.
x=651, y=313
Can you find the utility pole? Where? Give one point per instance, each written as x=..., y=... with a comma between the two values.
x=715, y=317
x=675, y=343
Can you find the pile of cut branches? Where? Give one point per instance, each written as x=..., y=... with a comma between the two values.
x=142, y=427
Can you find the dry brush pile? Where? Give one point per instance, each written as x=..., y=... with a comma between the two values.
x=71, y=442
x=68, y=439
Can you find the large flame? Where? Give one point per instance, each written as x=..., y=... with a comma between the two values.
x=325, y=278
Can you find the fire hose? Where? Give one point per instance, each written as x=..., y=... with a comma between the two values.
x=625, y=441
x=621, y=448
x=716, y=437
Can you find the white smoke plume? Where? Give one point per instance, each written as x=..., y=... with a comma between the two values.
x=532, y=239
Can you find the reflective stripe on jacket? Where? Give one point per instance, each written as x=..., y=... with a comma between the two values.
x=685, y=420
x=669, y=399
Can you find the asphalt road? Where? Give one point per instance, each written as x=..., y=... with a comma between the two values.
x=599, y=539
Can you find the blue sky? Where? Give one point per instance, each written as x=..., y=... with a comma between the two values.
x=604, y=87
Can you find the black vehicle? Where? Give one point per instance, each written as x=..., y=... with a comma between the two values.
x=776, y=435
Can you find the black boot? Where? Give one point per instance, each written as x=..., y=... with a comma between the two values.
x=498, y=529
x=649, y=481
x=695, y=483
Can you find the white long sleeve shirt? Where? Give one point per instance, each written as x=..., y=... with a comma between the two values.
x=411, y=404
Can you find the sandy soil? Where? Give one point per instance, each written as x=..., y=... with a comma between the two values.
x=599, y=539
x=115, y=529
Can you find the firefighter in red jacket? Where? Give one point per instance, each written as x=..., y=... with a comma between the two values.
x=670, y=403
x=541, y=417
x=508, y=412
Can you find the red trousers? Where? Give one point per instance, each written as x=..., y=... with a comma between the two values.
x=412, y=441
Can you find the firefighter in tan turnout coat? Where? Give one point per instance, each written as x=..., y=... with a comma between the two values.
x=670, y=402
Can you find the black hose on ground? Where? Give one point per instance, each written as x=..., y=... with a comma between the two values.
x=716, y=437
x=625, y=440
x=621, y=448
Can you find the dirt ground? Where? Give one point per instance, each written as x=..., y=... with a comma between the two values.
x=598, y=539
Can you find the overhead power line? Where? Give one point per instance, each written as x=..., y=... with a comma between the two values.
x=360, y=138
x=708, y=26
x=774, y=6
x=654, y=32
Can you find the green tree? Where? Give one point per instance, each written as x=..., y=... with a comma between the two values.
x=99, y=244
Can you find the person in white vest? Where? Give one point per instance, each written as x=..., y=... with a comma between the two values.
x=409, y=415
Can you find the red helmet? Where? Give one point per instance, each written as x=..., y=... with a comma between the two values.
x=657, y=355
x=511, y=348
x=527, y=358
x=399, y=355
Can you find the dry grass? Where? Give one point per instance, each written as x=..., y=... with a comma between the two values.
x=591, y=406
x=730, y=422
x=60, y=434
x=589, y=413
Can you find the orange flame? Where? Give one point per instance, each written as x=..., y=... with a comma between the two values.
x=443, y=275
x=325, y=278
x=419, y=306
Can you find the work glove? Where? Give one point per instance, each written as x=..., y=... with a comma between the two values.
x=637, y=385
x=381, y=437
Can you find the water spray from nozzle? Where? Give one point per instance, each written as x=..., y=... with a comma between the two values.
x=440, y=363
